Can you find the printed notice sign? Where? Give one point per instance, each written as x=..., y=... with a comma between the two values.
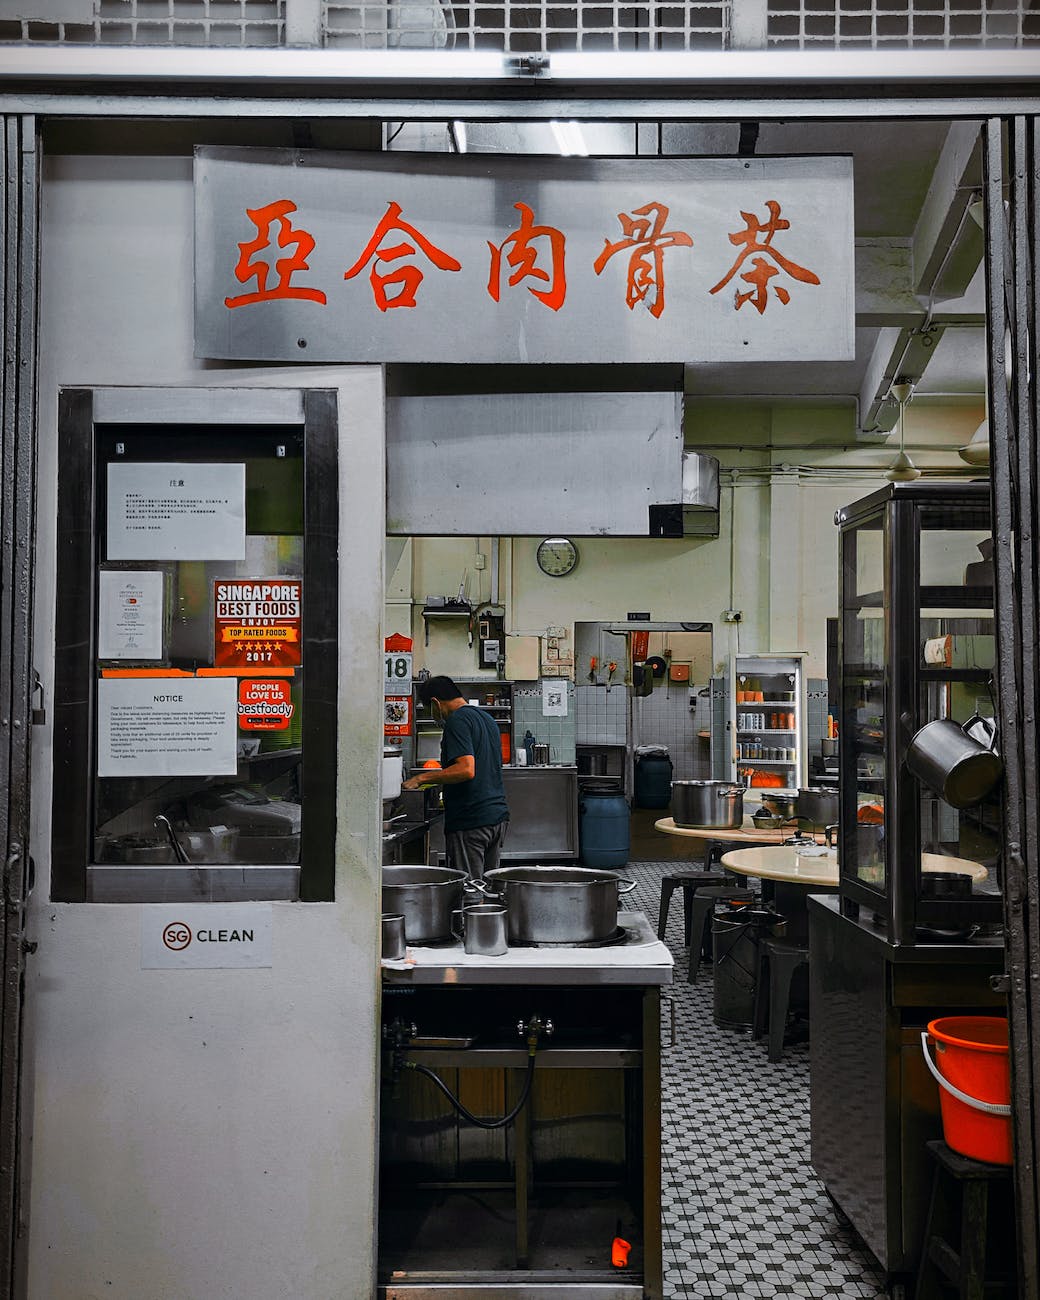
x=256, y=623
x=176, y=511
x=178, y=726
x=130, y=614
x=206, y=936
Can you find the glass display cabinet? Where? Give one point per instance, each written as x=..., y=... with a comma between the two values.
x=916, y=644
x=767, y=720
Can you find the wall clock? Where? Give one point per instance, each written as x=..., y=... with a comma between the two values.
x=557, y=556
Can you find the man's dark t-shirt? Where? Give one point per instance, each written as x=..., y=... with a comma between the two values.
x=482, y=801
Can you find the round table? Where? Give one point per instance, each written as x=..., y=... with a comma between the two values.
x=747, y=833
x=781, y=862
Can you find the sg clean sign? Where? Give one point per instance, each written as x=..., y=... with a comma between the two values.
x=206, y=936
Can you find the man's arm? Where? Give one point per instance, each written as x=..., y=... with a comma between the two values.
x=464, y=768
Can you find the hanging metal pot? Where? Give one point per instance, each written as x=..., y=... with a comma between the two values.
x=950, y=761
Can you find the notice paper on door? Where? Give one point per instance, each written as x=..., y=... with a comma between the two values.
x=176, y=510
x=167, y=726
x=130, y=609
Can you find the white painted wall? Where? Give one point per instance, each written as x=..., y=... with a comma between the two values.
x=199, y=1135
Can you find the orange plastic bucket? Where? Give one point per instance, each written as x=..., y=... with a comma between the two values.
x=974, y=1077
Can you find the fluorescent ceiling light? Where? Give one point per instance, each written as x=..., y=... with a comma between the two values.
x=569, y=139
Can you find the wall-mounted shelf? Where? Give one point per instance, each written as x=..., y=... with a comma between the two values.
x=450, y=609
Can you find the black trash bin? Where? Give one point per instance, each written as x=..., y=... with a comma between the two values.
x=735, y=935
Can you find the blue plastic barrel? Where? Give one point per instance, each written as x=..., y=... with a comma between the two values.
x=603, y=828
x=653, y=781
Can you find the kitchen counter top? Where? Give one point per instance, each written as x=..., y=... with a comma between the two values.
x=641, y=959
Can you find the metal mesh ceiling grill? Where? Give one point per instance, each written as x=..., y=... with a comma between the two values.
x=541, y=26
x=920, y=24
x=205, y=23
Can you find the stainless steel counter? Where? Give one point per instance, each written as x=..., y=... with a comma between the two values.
x=527, y=1209
x=641, y=959
x=543, y=815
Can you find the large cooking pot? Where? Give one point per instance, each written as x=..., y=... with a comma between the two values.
x=426, y=897
x=564, y=905
x=779, y=802
x=818, y=806
x=950, y=760
x=715, y=804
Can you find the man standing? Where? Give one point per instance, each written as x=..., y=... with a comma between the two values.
x=475, y=810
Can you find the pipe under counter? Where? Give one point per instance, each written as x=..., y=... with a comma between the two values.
x=532, y=1207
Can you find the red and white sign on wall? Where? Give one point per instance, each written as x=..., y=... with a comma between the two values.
x=424, y=257
x=257, y=623
x=397, y=685
x=264, y=704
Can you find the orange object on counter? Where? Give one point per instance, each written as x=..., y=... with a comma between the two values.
x=619, y=1252
x=871, y=814
x=507, y=747
x=431, y=762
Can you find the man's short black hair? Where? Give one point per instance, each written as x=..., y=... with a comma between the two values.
x=438, y=688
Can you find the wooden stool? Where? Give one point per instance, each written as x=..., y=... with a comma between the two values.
x=777, y=963
x=962, y=1263
x=689, y=882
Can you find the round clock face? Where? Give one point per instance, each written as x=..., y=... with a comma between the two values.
x=557, y=556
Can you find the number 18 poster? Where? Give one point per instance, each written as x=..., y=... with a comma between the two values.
x=256, y=623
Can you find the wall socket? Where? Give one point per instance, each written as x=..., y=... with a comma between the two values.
x=732, y=615
x=479, y=561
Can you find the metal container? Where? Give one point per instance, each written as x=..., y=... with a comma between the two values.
x=952, y=763
x=817, y=805
x=426, y=897
x=541, y=755
x=780, y=802
x=558, y=904
x=715, y=804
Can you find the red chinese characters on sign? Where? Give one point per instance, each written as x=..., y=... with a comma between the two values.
x=406, y=276
x=264, y=705
x=646, y=236
x=251, y=267
x=256, y=623
x=524, y=245
x=757, y=237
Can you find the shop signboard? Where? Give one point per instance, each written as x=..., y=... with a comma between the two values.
x=320, y=257
x=257, y=623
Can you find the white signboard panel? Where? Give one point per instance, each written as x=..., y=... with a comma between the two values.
x=165, y=510
x=130, y=614
x=205, y=936
x=308, y=256
x=167, y=726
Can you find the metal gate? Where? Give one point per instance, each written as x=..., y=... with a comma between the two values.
x=1012, y=232
x=18, y=217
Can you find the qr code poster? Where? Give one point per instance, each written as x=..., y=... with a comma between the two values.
x=554, y=698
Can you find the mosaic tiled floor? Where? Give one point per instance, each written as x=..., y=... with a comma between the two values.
x=743, y=1213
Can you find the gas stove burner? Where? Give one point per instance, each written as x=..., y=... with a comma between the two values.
x=622, y=934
